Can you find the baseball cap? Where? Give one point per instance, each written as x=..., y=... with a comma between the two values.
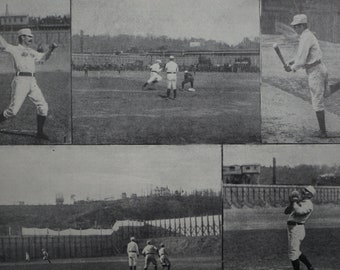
x=25, y=32
x=132, y=238
x=311, y=190
x=148, y=242
x=298, y=19
x=158, y=61
x=186, y=71
x=162, y=244
x=172, y=57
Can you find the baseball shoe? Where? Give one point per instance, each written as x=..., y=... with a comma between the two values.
x=320, y=134
x=42, y=135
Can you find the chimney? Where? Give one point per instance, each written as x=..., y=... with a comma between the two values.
x=7, y=13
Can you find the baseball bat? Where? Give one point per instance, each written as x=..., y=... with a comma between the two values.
x=278, y=52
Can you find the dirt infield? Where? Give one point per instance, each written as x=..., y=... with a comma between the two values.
x=286, y=108
x=112, y=108
x=56, y=89
x=116, y=263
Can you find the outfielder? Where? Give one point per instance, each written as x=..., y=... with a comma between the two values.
x=171, y=69
x=154, y=74
x=133, y=253
x=45, y=256
x=299, y=212
x=163, y=257
x=309, y=57
x=24, y=83
x=149, y=252
x=188, y=78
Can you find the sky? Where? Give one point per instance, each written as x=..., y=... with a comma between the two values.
x=291, y=155
x=36, y=7
x=36, y=174
x=222, y=20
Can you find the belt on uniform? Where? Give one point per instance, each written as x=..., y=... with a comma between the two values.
x=171, y=72
x=307, y=66
x=154, y=71
x=293, y=223
x=26, y=74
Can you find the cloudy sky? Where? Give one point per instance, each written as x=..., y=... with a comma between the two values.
x=291, y=155
x=36, y=7
x=36, y=174
x=223, y=20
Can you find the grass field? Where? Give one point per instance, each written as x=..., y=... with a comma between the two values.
x=115, y=263
x=267, y=249
x=113, y=109
x=56, y=90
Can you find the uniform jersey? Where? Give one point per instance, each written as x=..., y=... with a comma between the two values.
x=162, y=252
x=171, y=67
x=308, y=51
x=133, y=247
x=149, y=250
x=24, y=57
x=301, y=211
x=156, y=68
x=188, y=76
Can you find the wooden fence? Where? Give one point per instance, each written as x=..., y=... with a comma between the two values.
x=13, y=248
x=272, y=195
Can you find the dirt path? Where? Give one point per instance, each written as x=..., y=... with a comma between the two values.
x=289, y=119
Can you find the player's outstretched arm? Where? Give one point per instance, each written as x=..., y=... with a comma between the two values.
x=51, y=48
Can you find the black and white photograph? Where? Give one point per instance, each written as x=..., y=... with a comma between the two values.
x=166, y=72
x=300, y=49
x=281, y=207
x=111, y=207
x=35, y=72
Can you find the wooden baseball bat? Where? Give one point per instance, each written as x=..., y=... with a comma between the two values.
x=278, y=52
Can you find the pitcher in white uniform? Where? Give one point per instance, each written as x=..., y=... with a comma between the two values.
x=24, y=83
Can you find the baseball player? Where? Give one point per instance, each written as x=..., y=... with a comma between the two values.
x=133, y=253
x=27, y=257
x=24, y=83
x=149, y=252
x=309, y=57
x=299, y=212
x=171, y=69
x=163, y=257
x=155, y=70
x=45, y=255
x=188, y=78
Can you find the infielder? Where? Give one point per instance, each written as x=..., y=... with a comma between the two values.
x=171, y=69
x=24, y=83
x=188, y=78
x=299, y=211
x=149, y=252
x=133, y=253
x=45, y=256
x=163, y=257
x=309, y=57
x=155, y=71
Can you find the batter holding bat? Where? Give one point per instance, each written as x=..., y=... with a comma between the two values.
x=309, y=57
x=24, y=83
x=299, y=211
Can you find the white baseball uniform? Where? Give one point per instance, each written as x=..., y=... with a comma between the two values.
x=133, y=252
x=171, y=69
x=309, y=56
x=149, y=252
x=154, y=74
x=24, y=83
x=296, y=228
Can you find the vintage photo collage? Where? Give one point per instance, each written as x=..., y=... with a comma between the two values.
x=151, y=134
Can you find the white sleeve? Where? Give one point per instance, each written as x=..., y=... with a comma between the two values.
x=302, y=53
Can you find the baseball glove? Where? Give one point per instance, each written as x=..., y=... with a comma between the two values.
x=295, y=196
